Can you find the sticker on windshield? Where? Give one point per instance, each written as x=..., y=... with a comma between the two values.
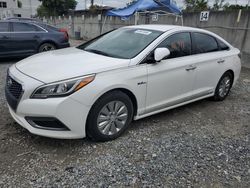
x=143, y=32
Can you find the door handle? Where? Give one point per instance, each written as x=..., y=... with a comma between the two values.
x=191, y=67
x=221, y=61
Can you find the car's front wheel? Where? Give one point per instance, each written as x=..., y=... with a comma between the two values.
x=223, y=87
x=46, y=47
x=110, y=116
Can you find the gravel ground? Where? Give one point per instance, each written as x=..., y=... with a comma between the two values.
x=204, y=144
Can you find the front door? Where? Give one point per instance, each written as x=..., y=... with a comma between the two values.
x=170, y=82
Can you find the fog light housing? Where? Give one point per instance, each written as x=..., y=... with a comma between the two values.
x=47, y=123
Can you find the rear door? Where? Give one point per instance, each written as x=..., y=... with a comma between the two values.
x=4, y=38
x=209, y=62
x=26, y=37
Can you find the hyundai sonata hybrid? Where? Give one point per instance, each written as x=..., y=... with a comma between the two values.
x=99, y=87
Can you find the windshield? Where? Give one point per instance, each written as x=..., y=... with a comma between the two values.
x=123, y=43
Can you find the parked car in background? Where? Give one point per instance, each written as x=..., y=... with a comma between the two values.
x=98, y=88
x=24, y=38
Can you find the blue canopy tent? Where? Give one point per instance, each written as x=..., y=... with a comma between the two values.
x=161, y=7
x=146, y=5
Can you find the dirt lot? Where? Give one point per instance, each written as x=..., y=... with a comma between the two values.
x=205, y=144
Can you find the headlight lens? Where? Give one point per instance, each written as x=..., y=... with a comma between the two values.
x=61, y=89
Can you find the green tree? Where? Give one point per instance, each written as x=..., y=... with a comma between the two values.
x=42, y=11
x=55, y=7
x=196, y=5
x=227, y=6
x=218, y=5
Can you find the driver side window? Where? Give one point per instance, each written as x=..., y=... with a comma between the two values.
x=178, y=44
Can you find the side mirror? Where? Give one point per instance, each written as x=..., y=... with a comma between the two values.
x=161, y=53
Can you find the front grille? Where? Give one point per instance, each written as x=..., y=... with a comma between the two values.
x=14, y=87
x=13, y=92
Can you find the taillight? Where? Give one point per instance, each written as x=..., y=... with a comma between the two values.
x=66, y=35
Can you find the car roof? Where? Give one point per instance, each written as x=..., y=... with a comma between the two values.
x=163, y=28
x=23, y=19
x=154, y=27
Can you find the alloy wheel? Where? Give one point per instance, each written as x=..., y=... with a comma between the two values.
x=48, y=48
x=112, y=118
x=224, y=86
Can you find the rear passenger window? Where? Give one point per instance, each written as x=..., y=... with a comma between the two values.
x=4, y=27
x=179, y=45
x=222, y=45
x=23, y=27
x=204, y=43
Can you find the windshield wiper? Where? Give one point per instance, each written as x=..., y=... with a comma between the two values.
x=98, y=52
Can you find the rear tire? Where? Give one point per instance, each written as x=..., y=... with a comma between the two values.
x=223, y=87
x=110, y=116
x=46, y=47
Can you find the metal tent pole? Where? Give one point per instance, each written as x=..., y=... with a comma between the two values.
x=103, y=24
x=136, y=18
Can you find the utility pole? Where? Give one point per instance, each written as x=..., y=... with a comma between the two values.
x=85, y=4
x=31, y=8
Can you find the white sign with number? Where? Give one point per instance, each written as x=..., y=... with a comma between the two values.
x=155, y=17
x=204, y=16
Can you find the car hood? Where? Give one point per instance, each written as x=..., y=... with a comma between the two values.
x=67, y=63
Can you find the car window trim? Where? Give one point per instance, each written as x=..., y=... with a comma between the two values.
x=143, y=61
x=12, y=28
x=190, y=44
x=46, y=31
x=220, y=49
x=193, y=47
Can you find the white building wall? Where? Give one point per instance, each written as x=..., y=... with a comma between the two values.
x=31, y=5
x=28, y=9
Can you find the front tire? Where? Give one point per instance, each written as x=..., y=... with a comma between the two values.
x=110, y=116
x=223, y=87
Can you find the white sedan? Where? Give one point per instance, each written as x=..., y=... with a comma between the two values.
x=98, y=88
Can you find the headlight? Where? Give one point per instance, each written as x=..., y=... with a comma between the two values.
x=63, y=88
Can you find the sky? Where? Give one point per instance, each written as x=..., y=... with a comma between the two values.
x=122, y=3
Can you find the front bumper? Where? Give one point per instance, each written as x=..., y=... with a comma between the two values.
x=67, y=110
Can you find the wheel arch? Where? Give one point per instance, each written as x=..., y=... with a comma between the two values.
x=47, y=41
x=128, y=92
x=231, y=72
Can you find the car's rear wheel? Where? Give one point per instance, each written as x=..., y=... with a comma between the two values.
x=223, y=87
x=110, y=116
x=46, y=47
